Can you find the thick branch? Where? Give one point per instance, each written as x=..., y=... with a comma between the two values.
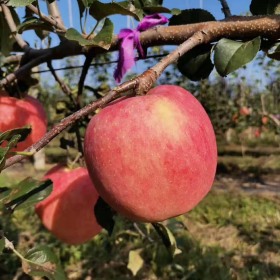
x=234, y=28
x=11, y=23
x=225, y=8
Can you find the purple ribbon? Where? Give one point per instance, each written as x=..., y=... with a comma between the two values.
x=130, y=40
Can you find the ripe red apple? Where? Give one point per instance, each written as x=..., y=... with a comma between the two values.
x=244, y=111
x=265, y=120
x=152, y=157
x=16, y=113
x=68, y=212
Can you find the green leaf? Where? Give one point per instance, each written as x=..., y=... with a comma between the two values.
x=102, y=10
x=2, y=241
x=83, y=4
x=23, y=132
x=196, y=64
x=230, y=55
x=5, y=151
x=20, y=3
x=135, y=261
x=103, y=39
x=42, y=262
x=275, y=54
x=151, y=6
x=168, y=238
x=25, y=194
x=6, y=39
x=34, y=23
x=191, y=16
x=260, y=7
x=104, y=215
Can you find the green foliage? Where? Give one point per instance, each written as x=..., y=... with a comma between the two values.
x=230, y=55
x=10, y=138
x=34, y=23
x=196, y=64
x=259, y=7
x=103, y=39
x=191, y=16
x=168, y=239
x=24, y=194
x=101, y=10
x=20, y=3
x=6, y=38
x=104, y=215
x=41, y=261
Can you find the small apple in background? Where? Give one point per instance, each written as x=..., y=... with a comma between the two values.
x=265, y=120
x=68, y=212
x=152, y=157
x=258, y=132
x=15, y=113
x=245, y=111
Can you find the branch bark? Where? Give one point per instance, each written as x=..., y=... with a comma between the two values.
x=242, y=28
x=59, y=26
x=13, y=28
x=225, y=8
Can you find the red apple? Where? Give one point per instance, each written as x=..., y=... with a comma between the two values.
x=265, y=120
x=152, y=157
x=16, y=113
x=68, y=212
x=244, y=111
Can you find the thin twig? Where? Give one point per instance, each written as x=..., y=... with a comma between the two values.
x=58, y=25
x=82, y=79
x=64, y=87
x=70, y=120
x=225, y=8
x=55, y=12
x=13, y=28
x=97, y=64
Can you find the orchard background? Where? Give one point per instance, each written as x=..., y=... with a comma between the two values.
x=228, y=60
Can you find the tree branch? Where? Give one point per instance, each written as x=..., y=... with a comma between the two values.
x=11, y=23
x=195, y=35
x=54, y=12
x=225, y=8
x=242, y=28
x=60, y=28
x=85, y=69
x=64, y=87
x=70, y=120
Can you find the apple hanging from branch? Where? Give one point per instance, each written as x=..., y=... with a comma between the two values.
x=152, y=157
x=16, y=113
x=68, y=212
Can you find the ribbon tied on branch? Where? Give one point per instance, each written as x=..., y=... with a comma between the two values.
x=130, y=40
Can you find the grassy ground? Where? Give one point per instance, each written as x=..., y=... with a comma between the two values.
x=233, y=234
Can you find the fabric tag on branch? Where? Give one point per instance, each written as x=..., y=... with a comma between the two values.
x=130, y=40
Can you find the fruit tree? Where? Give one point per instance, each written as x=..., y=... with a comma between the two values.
x=145, y=151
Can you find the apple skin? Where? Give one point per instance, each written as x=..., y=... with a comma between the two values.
x=152, y=157
x=244, y=111
x=265, y=120
x=68, y=212
x=16, y=113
